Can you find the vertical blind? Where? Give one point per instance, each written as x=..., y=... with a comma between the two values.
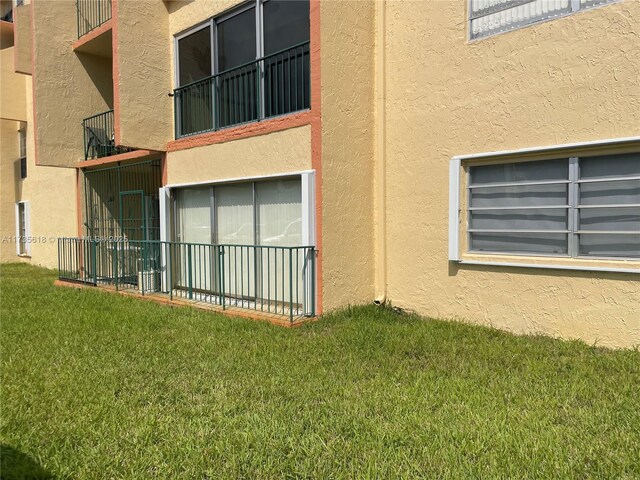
x=265, y=213
x=194, y=215
x=279, y=207
x=493, y=16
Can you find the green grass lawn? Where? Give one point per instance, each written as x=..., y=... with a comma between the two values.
x=96, y=385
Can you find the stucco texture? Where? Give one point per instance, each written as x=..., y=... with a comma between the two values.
x=572, y=79
x=13, y=109
x=50, y=191
x=347, y=38
x=22, y=37
x=272, y=154
x=143, y=74
x=68, y=86
x=9, y=184
x=12, y=101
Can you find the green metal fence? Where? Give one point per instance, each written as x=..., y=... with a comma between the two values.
x=91, y=14
x=122, y=200
x=273, y=85
x=274, y=280
x=99, y=136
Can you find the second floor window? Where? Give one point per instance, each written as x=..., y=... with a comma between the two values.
x=22, y=134
x=248, y=64
x=488, y=17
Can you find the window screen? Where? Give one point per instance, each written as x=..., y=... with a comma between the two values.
x=286, y=23
x=194, y=56
x=237, y=40
x=520, y=207
x=549, y=208
x=609, y=206
x=487, y=17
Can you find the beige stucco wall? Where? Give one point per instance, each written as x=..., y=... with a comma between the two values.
x=22, y=25
x=347, y=68
x=68, y=86
x=51, y=193
x=9, y=183
x=568, y=80
x=13, y=109
x=144, y=74
x=276, y=153
x=12, y=100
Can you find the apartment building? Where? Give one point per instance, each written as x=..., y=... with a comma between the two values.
x=474, y=160
x=13, y=116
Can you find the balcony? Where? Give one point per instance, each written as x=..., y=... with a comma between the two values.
x=99, y=136
x=6, y=11
x=277, y=84
x=91, y=14
x=274, y=281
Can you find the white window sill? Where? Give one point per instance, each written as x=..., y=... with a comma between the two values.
x=549, y=266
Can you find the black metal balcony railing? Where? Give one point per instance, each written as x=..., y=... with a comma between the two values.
x=7, y=14
x=276, y=84
x=99, y=136
x=267, y=279
x=91, y=14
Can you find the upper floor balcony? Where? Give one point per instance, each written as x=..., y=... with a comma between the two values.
x=6, y=11
x=273, y=85
x=99, y=136
x=91, y=14
x=246, y=65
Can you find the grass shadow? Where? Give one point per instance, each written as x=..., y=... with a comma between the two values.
x=15, y=465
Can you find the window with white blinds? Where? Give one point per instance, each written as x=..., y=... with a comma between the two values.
x=488, y=17
x=23, y=230
x=577, y=207
x=253, y=213
x=266, y=213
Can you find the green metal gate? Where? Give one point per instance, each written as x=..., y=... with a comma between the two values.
x=121, y=210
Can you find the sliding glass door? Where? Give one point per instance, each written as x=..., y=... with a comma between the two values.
x=235, y=227
x=193, y=256
x=248, y=223
x=279, y=220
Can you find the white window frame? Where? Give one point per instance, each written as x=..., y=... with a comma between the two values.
x=308, y=182
x=176, y=49
x=571, y=196
x=554, y=151
x=213, y=24
x=575, y=7
x=27, y=229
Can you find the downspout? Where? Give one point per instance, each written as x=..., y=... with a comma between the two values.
x=380, y=229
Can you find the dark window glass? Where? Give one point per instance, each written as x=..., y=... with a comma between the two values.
x=610, y=166
x=194, y=103
x=237, y=88
x=23, y=168
x=286, y=23
x=520, y=172
x=194, y=54
x=286, y=74
x=237, y=40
